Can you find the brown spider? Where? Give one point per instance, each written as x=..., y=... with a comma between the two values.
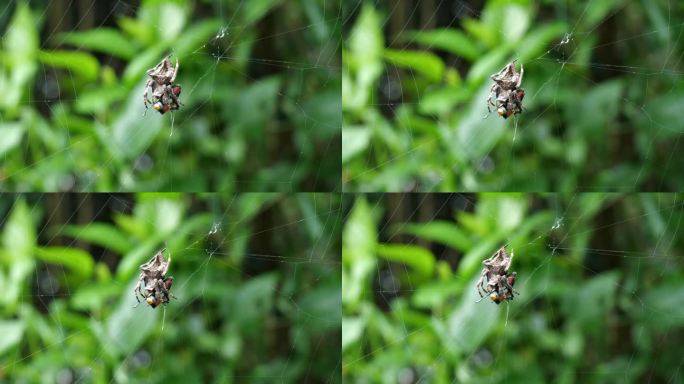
x=499, y=282
x=164, y=92
x=154, y=281
x=506, y=91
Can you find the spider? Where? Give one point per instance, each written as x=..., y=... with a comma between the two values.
x=506, y=91
x=164, y=92
x=499, y=281
x=507, y=282
x=153, y=285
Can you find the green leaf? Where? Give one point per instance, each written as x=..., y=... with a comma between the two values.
x=664, y=109
x=250, y=204
x=598, y=107
x=254, y=10
x=352, y=329
x=594, y=299
x=448, y=39
x=198, y=222
x=21, y=38
x=476, y=136
x=127, y=327
x=195, y=36
x=537, y=41
x=414, y=256
x=355, y=140
x=101, y=234
x=362, y=60
x=434, y=294
x=514, y=22
x=136, y=29
x=141, y=253
x=133, y=259
x=658, y=19
x=321, y=112
x=359, y=238
x=135, y=70
x=488, y=64
x=12, y=332
x=257, y=104
x=471, y=262
x=173, y=15
x=107, y=40
x=666, y=299
x=131, y=133
x=19, y=234
x=78, y=260
x=11, y=134
x=255, y=298
x=444, y=232
x=80, y=63
x=481, y=31
x=99, y=99
x=596, y=11
x=442, y=100
x=359, y=235
x=471, y=322
x=426, y=63
x=366, y=41
x=324, y=307
x=93, y=297
x=20, y=46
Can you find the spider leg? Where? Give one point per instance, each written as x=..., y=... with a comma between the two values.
x=492, y=92
x=147, y=87
x=168, y=263
x=142, y=284
x=479, y=284
x=165, y=292
x=481, y=298
x=135, y=291
x=503, y=283
x=522, y=70
x=483, y=290
x=175, y=71
x=509, y=262
x=169, y=92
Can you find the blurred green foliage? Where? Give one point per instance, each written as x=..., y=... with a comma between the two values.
x=600, y=279
x=261, y=94
x=599, y=113
x=256, y=276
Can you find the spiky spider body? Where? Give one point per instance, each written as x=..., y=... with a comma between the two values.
x=495, y=280
x=164, y=92
x=153, y=285
x=506, y=91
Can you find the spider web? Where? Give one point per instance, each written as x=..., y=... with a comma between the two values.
x=226, y=239
x=273, y=119
x=430, y=134
x=575, y=288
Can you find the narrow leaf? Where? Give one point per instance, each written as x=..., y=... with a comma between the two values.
x=414, y=256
